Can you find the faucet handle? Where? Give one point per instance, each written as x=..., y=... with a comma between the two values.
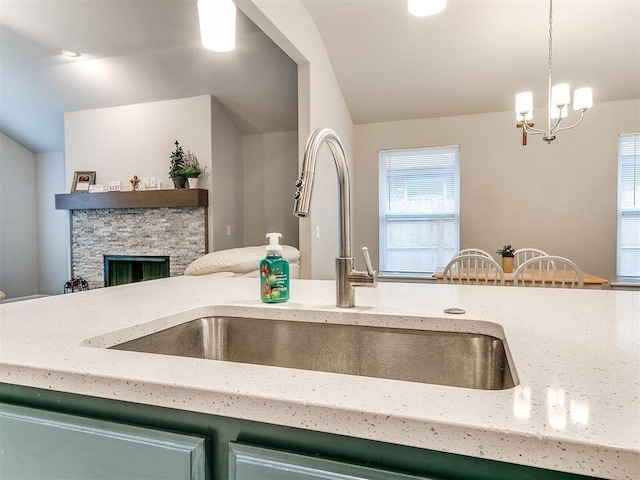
x=367, y=261
x=362, y=279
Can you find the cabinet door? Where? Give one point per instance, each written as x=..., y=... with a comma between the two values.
x=248, y=462
x=37, y=444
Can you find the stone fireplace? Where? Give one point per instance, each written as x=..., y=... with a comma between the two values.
x=136, y=226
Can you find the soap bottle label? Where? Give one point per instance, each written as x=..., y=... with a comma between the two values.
x=274, y=280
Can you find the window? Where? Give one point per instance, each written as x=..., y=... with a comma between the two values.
x=419, y=195
x=628, y=250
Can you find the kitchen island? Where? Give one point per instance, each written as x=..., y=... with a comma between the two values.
x=575, y=353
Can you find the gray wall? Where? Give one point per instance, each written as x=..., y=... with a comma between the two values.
x=18, y=220
x=53, y=225
x=270, y=171
x=560, y=198
x=225, y=180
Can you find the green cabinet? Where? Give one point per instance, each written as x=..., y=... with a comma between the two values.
x=85, y=437
x=247, y=462
x=39, y=444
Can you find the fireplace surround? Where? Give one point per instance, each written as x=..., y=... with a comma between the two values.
x=165, y=223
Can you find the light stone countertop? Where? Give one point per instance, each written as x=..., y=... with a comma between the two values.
x=576, y=354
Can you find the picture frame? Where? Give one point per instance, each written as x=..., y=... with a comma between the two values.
x=82, y=180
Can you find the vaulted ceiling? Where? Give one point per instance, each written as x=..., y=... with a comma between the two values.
x=471, y=58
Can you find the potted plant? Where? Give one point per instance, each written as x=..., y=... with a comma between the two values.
x=507, y=253
x=176, y=167
x=192, y=169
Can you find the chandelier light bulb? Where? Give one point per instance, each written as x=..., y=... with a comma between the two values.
x=425, y=8
x=217, y=24
x=560, y=95
x=527, y=117
x=582, y=99
x=524, y=105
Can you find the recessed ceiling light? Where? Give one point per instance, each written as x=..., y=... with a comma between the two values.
x=69, y=53
x=426, y=8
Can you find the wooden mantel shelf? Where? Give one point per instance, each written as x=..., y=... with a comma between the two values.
x=146, y=199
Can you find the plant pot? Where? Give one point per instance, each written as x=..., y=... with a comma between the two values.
x=193, y=182
x=507, y=264
x=179, y=181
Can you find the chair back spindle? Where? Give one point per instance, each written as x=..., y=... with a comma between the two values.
x=473, y=269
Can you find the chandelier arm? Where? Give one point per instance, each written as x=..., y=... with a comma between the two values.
x=531, y=130
x=575, y=124
x=554, y=129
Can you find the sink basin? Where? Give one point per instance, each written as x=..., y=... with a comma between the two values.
x=468, y=360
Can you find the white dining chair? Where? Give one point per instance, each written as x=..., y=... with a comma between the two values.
x=523, y=254
x=549, y=271
x=473, y=269
x=473, y=251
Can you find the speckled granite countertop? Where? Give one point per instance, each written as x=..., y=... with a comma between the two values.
x=576, y=354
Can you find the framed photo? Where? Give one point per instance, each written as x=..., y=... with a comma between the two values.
x=82, y=180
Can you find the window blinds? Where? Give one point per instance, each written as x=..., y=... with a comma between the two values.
x=628, y=248
x=419, y=209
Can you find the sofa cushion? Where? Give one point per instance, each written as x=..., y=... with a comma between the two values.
x=236, y=260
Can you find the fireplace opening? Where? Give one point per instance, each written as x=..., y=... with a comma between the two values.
x=123, y=269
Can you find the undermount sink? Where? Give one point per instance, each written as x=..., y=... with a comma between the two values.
x=468, y=360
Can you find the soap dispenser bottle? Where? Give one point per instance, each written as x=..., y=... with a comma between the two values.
x=274, y=273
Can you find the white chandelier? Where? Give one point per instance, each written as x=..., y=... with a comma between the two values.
x=559, y=97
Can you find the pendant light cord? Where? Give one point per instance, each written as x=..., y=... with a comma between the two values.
x=550, y=35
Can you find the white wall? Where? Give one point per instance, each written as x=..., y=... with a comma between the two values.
x=560, y=198
x=320, y=104
x=121, y=142
x=18, y=220
x=270, y=164
x=53, y=225
x=226, y=193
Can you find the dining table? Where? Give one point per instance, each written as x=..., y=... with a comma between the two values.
x=589, y=280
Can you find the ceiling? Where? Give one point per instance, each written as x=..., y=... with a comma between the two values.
x=477, y=54
x=471, y=58
x=132, y=51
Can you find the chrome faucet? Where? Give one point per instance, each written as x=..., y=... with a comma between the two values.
x=347, y=277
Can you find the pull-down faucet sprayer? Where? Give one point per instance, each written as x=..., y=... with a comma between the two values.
x=346, y=276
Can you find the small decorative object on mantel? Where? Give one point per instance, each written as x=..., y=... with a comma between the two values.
x=82, y=180
x=506, y=252
x=192, y=169
x=135, y=182
x=176, y=166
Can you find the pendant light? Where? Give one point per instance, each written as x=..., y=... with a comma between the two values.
x=559, y=97
x=217, y=24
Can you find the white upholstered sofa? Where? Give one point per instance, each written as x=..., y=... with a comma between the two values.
x=241, y=262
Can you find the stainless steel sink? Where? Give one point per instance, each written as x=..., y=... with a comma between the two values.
x=445, y=358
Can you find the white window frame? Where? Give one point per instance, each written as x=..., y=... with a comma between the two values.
x=628, y=207
x=441, y=215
